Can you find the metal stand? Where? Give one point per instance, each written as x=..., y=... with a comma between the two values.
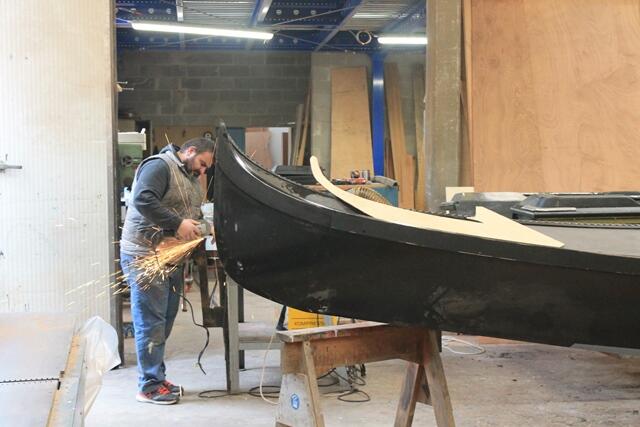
x=308, y=352
x=240, y=336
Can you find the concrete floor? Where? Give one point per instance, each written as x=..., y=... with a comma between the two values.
x=508, y=385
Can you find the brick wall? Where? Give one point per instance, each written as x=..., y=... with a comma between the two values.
x=196, y=88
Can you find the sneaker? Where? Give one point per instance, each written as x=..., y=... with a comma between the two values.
x=175, y=389
x=161, y=396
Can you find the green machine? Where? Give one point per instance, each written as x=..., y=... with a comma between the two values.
x=131, y=146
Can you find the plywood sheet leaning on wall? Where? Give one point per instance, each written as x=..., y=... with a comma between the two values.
x=257, y=146
x=555, y=94
x=418, y=108
x=396, y=132
x=350, y=122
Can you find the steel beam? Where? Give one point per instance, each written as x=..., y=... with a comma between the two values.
x=346, y=16
x=378, y=111
x=406, y=16
x=259, y=12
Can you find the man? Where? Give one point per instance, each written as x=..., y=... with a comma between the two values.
x=165, y=202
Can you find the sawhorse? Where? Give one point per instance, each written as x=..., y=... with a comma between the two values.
x=306, y=353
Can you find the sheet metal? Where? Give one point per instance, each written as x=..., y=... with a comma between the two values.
x=26, y=404
x=35, y=346
x=608, y=241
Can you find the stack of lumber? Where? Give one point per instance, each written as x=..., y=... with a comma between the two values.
x=418, y=109
x=301, y=132
x=403, y=163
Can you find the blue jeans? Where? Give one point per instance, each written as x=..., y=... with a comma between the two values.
x=154, y=307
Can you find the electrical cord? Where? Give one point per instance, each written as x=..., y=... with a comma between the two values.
x=193, y=319
x=264, y=365
x=448, y=339
x=354, y=375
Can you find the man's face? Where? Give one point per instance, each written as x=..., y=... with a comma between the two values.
x=197, y=164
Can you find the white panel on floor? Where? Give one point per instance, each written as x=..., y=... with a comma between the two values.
x=56, y=121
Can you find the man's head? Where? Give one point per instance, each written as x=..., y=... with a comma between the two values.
x=197, y=155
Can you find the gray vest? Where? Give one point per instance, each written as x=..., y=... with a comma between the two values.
x=184, y=196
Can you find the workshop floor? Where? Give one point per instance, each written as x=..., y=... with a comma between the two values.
x=508, y=385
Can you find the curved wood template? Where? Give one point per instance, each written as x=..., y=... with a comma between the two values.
x=486, y=224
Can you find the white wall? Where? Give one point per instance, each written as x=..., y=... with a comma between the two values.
x=56, y=118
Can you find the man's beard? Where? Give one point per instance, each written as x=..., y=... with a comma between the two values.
x=188, y=167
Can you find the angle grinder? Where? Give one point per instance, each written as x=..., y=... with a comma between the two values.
x=205, y=228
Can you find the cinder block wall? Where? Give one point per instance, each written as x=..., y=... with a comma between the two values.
x=196, y=88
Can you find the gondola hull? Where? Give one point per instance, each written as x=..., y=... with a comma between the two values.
x=310, y=251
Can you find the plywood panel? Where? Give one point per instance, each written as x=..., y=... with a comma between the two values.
x=396, y=131
x=421, y=161
x=555, y=102
x=350, y=122
x=257, y=146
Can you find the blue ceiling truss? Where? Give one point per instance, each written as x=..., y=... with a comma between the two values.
x=297, y=26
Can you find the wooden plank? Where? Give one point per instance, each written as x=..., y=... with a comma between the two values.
x=305, y=130
x=297, y=134
x=555, y=95
x=285, y=149
x=302, y=414
x=350, y=122
x=325, y=332
x=388, y=159
x=257, y=146
x=438, y=390
x=408, y=395
x=374, y=346
x=312, y=373
x=487, y=224
x=396, y=131
x=466, y=155
x=421, y=164
x=409, y=177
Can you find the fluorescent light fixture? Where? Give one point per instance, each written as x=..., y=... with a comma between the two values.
x=265, y=9
x=204, y=31
x=406, y=40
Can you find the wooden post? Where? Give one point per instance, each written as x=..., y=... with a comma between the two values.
x=438, y=390
x=425, y=382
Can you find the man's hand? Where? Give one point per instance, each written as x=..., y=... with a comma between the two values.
x=188, y=230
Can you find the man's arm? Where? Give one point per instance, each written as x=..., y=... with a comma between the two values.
x=151, y=186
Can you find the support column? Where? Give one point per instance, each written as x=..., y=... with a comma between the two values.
x=378, y=111
x=442, y=125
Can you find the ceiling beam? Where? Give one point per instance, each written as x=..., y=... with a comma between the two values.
x=347, y=15
x=405, y=16
x=259, y=12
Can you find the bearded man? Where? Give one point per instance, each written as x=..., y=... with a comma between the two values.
x=166, y=200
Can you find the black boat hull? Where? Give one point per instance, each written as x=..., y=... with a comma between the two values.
x=312, y=252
